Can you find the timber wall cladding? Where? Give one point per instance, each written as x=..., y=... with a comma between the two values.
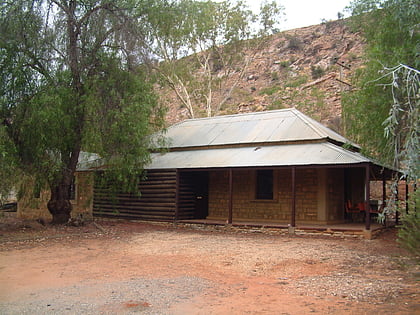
x=247, y=208
x=156, y=201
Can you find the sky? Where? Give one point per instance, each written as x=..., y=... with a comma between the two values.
x=300, y=13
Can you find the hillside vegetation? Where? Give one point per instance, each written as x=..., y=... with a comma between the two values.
x=306, y=68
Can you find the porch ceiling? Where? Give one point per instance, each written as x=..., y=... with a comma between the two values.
x=258, y=156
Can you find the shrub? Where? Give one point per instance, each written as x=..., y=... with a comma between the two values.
x=297, y=81
x=285, y=64
x=294, y=43
x=409, y=231
x=317, y=72
x=274, y=76
x=270, y=90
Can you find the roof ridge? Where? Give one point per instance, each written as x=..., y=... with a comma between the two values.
x=346, y=151
x=309, y=123
x=235, y=115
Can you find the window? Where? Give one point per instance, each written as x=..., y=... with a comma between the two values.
x=264, y=184
x=72, y=189
x=36, y=193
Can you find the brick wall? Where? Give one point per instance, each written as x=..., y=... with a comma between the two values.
x=30, y=207
x=245, y=207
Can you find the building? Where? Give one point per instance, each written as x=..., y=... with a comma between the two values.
x=274, y=166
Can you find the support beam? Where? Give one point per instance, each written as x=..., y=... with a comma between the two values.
x=397, y=198
x=367, y=196
x=383, y=190
x=293, y=213
x=230, y=214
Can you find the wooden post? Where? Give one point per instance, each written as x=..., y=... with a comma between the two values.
x=397, y=198
x=367, y=196
x=406, y=196
x=230, y=215
x=293, y=213
x=383, y=191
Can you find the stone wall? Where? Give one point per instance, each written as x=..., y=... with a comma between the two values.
x=35, y=207
x=246, y=207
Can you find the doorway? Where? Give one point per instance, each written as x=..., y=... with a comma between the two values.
x=193, y=195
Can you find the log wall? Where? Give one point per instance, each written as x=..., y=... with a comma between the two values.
x=154, y=200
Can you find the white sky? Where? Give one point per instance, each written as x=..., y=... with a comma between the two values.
x=300, y=13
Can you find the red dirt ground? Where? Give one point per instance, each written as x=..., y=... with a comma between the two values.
x=244, y=272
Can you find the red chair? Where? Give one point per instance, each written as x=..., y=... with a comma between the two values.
x=350, y=208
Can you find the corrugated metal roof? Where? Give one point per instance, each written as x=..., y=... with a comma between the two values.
x=261, y=127
x=87, y=161
x=279, y=155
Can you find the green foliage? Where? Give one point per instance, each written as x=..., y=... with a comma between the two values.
x=295, y=43
x=269, y=17
x=317, y=72
x=274, y=76
x=387, y=96
x=391, y=31
x=409, y=231
x=69, y=82
x=296, y=81
x=285, y=63
x=202, y=45
x=275, y=104
x=270, y=90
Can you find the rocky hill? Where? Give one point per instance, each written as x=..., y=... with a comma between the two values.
x=307, y=68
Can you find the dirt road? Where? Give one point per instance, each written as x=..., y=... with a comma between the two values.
x=140, y=268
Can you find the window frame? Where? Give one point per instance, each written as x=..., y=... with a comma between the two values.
x=259, y=195
x=73, y=190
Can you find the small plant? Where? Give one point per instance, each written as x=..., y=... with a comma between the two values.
x=294, y=43
x=353, y=56
x=270, y=90
x=274, y=76
x=285, y=64
x=277, y=104
x=317, y=72
x=297, y=81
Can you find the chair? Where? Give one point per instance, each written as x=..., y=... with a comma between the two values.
x=355, y=211
x=350, y=208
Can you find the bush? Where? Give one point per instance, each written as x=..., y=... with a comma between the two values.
x=270, y=90
x=317, y=72
x=274, y=76
x=296, y=81
x=409, y=231
x=294, y=43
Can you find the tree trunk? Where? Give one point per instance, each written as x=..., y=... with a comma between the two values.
x=59, y=205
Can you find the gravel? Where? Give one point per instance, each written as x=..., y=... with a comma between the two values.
x=145, y=296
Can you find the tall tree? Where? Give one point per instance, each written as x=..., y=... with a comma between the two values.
x=203, y=47
x=392, y=33
x=383, y=113
x=69, y=82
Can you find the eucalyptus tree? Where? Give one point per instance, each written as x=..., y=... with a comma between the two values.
x=383, y=112
x=204, y=47
x=392, y=33
x=72, y=80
